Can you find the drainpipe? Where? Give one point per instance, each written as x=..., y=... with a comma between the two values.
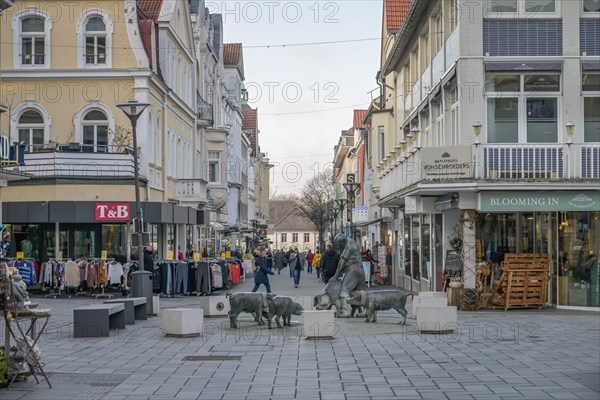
x=164, y=148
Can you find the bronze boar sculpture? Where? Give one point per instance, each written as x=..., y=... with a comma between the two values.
x=381, y=300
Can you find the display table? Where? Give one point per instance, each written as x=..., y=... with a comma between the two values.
x=21, y=327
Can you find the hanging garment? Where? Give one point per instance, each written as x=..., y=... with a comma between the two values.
x=217, y=276
x=115, y=273
x=72, y=275
x=27, y=272
x=181, y=277
x=203, y=284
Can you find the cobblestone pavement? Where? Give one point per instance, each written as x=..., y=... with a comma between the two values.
x=522, y=354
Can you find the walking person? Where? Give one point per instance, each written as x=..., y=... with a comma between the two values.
x=279, y=259
x=317, y=263
x=287, y=260
x=262, y=272
x=269, y=258
x=297, y=263
x=329, y=263
x=309, y=259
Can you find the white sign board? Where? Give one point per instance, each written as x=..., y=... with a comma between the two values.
x=446, y=163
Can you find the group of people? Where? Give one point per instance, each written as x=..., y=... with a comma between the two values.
x=325, y=264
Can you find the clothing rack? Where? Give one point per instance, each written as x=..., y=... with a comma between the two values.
x=57, y=292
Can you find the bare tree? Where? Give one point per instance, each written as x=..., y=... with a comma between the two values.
x=316, y=199
x=122, y=138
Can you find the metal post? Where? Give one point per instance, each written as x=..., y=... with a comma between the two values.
x=138, y=206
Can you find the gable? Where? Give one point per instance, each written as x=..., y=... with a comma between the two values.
x=177, y=14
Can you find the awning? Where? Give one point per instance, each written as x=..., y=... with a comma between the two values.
x=217, y=226
x=367, y=223
x=523, y=66
x=590, y=65
x=434, y=93
x=444, y=202
x=449, y=76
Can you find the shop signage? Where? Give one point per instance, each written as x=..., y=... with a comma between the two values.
x=539, y=201
x=20, y=255
x=446, y=162
x=453, y=261
x=410, y=205
x=104, y=254
x=227, y=254
x=197, y=256
x=169, y=254
x=4, y=148
x=113, y=211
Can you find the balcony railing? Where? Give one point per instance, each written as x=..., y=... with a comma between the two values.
x=404, y=167
x=205, y=113
x=191, y=189
x=74, y=161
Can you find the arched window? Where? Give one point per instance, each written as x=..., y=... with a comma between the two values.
x=94, y=31
x=95, y=131
x=95, y=41
x=31, y=30
x=31, y=129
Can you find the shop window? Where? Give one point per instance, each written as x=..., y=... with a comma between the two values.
x=426, y=246
x=590, y=82
x=114, y=241
x=579, y=274
x=84, y=243
x=407, y=247
x=25, y=239
x=496, y=236
x=95, y=131
x=50, y=243
x=171, y=238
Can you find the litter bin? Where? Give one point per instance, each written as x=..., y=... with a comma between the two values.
x=141, y=286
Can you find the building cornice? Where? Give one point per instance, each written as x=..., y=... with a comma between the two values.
x=71, y=74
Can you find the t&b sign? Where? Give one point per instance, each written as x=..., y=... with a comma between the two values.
x=113, y=212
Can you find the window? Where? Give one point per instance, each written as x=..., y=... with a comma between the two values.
x=31, y=129
x=591, y=6
x=95, y=41
x=283, y=237
x=590, y=85
x=214, y=174
x=381, y=137
x=33, y=40
x=522, y=108
x=521, y=8
x=294, y=237
x=453, y=16
x=95, y=131
x=306, y=237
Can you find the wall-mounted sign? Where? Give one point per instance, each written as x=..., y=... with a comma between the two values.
x=104, y=255
x=197, y=256
x=113, y=211
x=410, y=205
x=169, y=254
x=539, y=201
x=446, y=162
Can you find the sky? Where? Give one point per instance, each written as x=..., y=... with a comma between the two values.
x=306, y=94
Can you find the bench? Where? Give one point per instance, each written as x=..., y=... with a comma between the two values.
x=97, y=319
x=524, y=281
x=135, y=308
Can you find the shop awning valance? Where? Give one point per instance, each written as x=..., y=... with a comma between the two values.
x=523, y=66
x=444, y=202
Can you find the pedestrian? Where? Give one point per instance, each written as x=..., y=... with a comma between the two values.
x=180, y=255
x=262, y=272
x=368, y=257
x=329, y=263
x=279, y=259
x=287, y=260
x=298, y=264
x=309, y=259
x=149, y=258
x=317, y=263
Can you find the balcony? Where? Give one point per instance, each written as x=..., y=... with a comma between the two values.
x=341, y=149
x=205, y=114
x=407, y=166
x=193, y=190
x=74, y=161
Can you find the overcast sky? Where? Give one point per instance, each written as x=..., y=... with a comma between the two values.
x=305, y=94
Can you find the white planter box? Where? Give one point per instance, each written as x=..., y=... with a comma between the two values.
x=429, y=299
x=215, y=306
x=182, y=321
x=155, y=305
x=319, y=324
x=437, y=319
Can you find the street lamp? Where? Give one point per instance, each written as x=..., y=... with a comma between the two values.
x=134, y=110
x=341, y=203
x=570, y=128
x=351, y=188
x=334, y=213
x=477, y=131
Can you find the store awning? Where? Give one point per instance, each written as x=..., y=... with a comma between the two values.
x=367, y=223
x=444, y=202
x=590, y=65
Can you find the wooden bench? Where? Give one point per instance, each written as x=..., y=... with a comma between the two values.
x=96, y=320
x=135, y=308
x=524, y=281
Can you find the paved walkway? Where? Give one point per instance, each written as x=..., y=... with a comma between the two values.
x=523, y=354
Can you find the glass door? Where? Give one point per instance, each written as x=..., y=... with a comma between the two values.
x=84, y=243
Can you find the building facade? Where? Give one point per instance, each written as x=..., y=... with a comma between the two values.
x=288, y=227
x=489, y=135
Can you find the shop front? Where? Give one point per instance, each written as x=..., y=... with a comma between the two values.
x=564, y=224
x=73, y=230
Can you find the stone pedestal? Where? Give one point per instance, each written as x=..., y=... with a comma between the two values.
x=215, y=306
x=437, y=319
x=182, y=322
x=319, y=324
x=429, y=299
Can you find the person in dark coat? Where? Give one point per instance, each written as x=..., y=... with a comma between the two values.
x=279, y=260
x=262, y=272
x=269, y=258
x=149, y=258
x=329, y=263
x=298, y=263
x=287, y=260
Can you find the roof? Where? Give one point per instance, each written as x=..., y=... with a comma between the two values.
x=359, y=117
x=395, y=11
x=151, y=8
x=232, y=54
x=250, y=124
x=285, y=215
